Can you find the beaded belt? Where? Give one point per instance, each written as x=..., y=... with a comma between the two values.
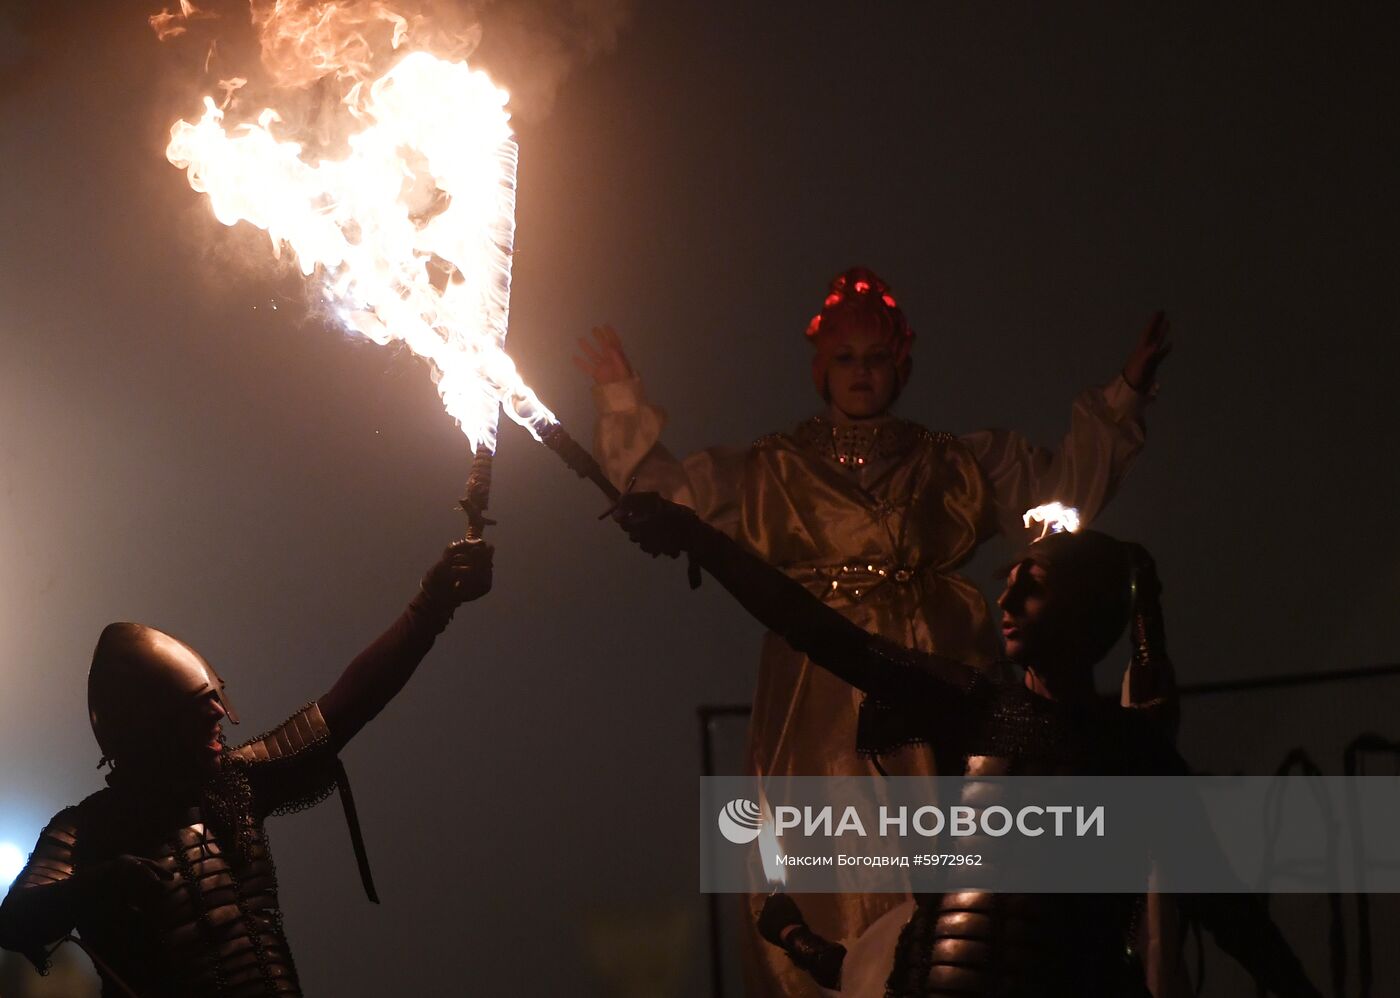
x=857, y=579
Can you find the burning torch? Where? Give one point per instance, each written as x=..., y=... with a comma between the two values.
x=410, y=236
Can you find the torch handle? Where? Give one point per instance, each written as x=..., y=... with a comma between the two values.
x=477, y=495
x=579, y=460
x=583, y=464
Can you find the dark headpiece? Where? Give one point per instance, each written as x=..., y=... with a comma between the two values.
x=1114, y=582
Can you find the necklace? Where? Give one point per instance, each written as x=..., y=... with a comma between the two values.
x=854, y=445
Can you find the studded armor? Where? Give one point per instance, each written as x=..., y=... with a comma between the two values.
x=216, y=927
x=166, y=874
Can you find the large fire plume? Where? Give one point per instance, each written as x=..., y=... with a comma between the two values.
x=407, y=226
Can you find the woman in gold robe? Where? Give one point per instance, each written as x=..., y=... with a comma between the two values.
x=874, y=514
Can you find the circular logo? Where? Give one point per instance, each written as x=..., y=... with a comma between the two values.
x=739, y=821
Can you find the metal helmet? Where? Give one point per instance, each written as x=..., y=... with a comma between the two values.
x=140, y=677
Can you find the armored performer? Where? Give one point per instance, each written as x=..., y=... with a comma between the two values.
x=166, y=874
x=873, y=514
x=1066, y=602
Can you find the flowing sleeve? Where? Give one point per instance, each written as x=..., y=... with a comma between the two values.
x=627, y=443
x=1105, y=435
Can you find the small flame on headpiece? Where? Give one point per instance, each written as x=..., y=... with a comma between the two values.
x=1055, y=518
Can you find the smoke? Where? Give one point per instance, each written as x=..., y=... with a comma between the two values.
x=325, y=47
x=531, y=48
x=305, y=41
x=309, y=59
x=242, y=53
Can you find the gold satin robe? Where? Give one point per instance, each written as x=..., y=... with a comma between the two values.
x=878, y=536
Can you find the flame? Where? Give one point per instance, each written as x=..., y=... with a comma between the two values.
x=231, y=87
x=304, y=41
x=1056, y=518
x=411, y=233
x=168, y=24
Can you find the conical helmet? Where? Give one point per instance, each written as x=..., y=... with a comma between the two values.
x=140, y=678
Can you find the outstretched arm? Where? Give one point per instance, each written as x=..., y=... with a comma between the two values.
x=1105, y=435
x=379, y=672
x=879, y=667
x=627, y=439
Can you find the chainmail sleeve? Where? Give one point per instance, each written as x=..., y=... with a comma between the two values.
x=41, y=907
x=291, y=767
x=295, y=766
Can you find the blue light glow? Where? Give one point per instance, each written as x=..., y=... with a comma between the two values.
x=11, y=862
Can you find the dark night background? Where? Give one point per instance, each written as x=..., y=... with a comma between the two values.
x=1033, y=180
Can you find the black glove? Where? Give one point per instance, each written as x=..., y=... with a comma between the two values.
x=462, y=574
x=781, y=923
x=656, y=525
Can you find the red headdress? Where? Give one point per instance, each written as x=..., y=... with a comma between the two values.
x=857, y=294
